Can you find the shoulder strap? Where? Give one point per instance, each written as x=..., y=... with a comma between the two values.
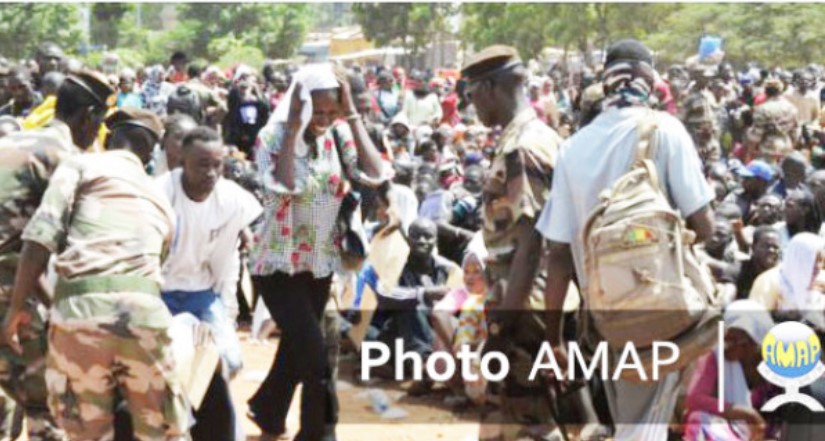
x=646, y=145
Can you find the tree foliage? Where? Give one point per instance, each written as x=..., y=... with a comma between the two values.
x=411, y=25
x=24, y=26
x=767, y=33
x=275, y=29
x=107, y=20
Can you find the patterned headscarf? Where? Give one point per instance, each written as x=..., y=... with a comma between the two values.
x=628, y=83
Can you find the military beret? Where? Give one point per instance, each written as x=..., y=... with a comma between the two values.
x=96, y=85
x=134, y=117
x=490, y=61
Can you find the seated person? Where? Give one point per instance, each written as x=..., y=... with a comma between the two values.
x=403, y=311
x=765, y=256
x=458, y=319
x=792, y=287
x=747, y=324
x=800, y=215
x=719, y=252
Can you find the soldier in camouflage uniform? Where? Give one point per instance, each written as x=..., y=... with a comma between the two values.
x=699, y=114
x=108, y=225
x=27, y=161
x=517, y=186
x=775, y=128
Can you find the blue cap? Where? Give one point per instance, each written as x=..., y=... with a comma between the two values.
x=759, y=170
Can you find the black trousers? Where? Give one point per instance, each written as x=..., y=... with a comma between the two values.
x=297, y=304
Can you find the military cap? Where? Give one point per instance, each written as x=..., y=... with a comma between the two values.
x=490, y=61
x=774, y=83
x=134, y=117
x=95, y=85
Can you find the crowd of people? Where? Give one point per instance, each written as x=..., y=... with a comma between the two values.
x=133, y=196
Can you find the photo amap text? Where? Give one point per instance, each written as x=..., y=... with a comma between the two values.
x=375, y=354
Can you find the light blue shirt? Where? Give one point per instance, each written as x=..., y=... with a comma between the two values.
x=597, y=156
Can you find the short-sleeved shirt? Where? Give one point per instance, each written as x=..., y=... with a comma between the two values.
x=297, y=233
x=27, y=161
x=102, y=215
x=206, y=236
x=517, y=186
x=601, y=153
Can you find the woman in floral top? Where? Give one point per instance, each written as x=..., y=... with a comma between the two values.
x=305, y=156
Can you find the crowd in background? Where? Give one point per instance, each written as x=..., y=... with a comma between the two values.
x=759, y=133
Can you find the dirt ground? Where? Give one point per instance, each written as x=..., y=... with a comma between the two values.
x=429, y=418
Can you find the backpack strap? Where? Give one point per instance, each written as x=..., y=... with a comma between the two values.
x=646, y=148
x=646, y=145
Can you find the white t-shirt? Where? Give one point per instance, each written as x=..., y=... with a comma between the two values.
x=421, y=111
x=204, y=250
x=601, y=153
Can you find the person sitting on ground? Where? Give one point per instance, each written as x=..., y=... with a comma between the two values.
x=800, y=216
x=402, y=312
x=458, y=319
x=756, y=179
x=765, y=255
x=720, y=252
x=747, y=323
x=793, y=287
x=794, y=168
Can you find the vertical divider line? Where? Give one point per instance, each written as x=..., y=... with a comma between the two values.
x=720, y=365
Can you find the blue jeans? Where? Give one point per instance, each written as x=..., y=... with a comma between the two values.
x=207, y=307
x=215, y=419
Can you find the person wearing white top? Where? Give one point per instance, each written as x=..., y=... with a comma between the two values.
x=202, y=269
x=590, y=162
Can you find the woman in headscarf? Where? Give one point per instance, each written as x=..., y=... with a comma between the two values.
x=791, y=286
x=156, y=90
x=746, y=322
x=305, y=156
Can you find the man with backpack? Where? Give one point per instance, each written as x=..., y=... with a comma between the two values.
x=592, y=161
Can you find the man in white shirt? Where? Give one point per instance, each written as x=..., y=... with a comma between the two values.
x=202, y=269
x=803, y=97
x=590, y=162
x=421, y=106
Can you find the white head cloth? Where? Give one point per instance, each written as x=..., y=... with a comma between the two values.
x=311, y=77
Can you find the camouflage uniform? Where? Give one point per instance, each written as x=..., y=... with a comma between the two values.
x=775, y=129
x=517, y=186
x=27, y=160
x=108, y=225
x=700, y=116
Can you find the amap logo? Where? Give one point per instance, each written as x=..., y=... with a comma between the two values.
x=791, y=359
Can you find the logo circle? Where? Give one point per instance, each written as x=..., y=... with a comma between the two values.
x=791, y=349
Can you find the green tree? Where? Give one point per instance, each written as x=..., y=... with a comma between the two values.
x=24, y=26
x=412, y=25
x=275, y=29
x=107, y=21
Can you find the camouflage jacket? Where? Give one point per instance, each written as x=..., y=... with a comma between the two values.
x=102, y=215
x=517, y=186
x=27, y=161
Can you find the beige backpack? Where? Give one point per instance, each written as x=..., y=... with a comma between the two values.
x=644, y=281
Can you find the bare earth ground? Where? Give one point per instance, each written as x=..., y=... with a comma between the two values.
x=429, y=420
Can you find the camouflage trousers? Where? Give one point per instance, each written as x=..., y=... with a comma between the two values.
x=22, y=377
x=92, y=367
